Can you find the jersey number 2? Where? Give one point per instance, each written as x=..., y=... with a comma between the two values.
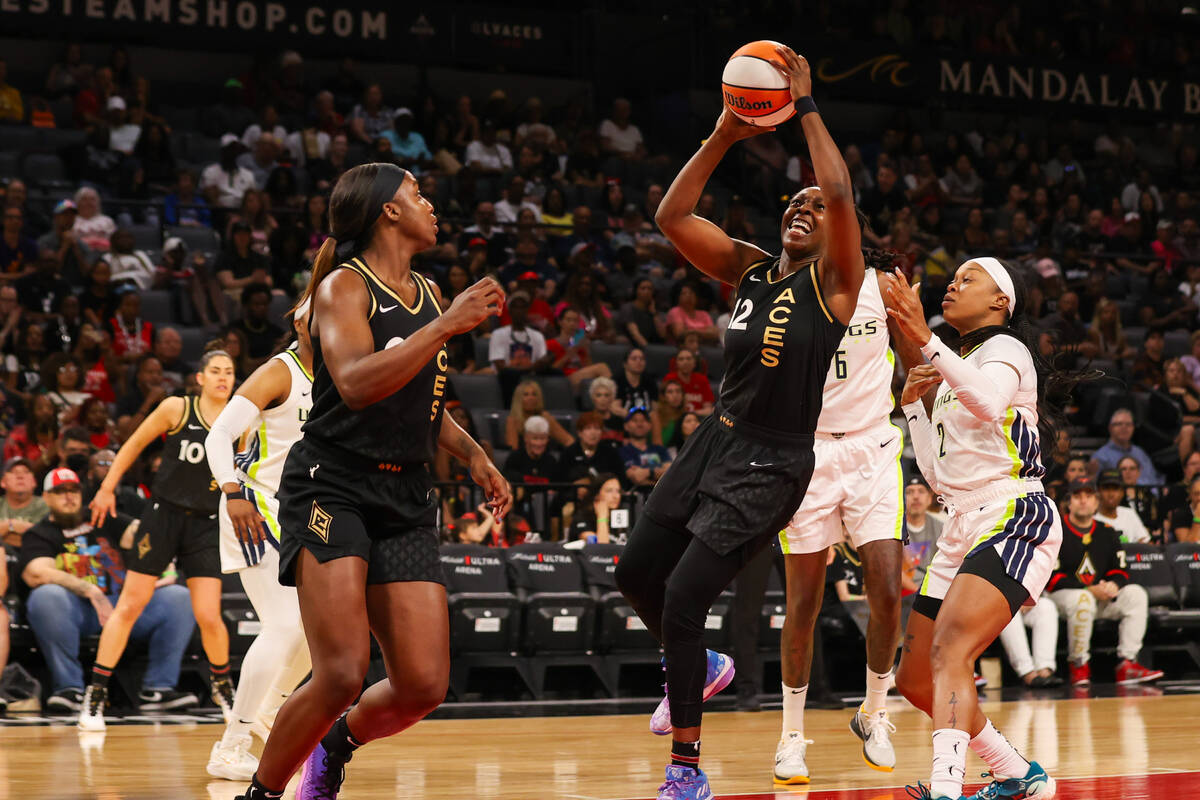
x=741, y=313
x=941, y=432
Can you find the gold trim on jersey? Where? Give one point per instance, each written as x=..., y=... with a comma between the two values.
x=353, y=267
x=429, y=291
x=187, y=410
x=760, y=262
x=199, y=416
x=379, y=282
x=817, y=288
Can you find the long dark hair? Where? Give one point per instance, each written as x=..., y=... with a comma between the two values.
x=1054, y=383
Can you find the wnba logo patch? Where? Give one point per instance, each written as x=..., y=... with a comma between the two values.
x=318, y=522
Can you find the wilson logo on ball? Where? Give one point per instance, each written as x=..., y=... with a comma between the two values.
x=754, y=90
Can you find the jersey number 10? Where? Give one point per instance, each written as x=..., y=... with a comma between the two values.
x=191, y=452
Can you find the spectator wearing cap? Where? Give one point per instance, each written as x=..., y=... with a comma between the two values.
x=230, y=113
x=644, y=461
x=486, y=155
x=921, y=533
x=223, y=183
x=12, y=109
x=18, y=252
x=74, y=573
x=370, y=118
x=1091, y=581
x=1120, y=444
x=517, y=350
x=122, y=134
x=20, y=508
x=408, y=146
x=1110, y=489
x=240, y=265
x=42, y=291
x=475, y=527
x=74, y=258
x=129, y=265
x=184, y=206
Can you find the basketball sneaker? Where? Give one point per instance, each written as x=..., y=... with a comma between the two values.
x=222, y=695
x=1133, y=672
x=69, y=699
x=1081, y=674
x=165, y=699
x=91, y=711
x=790, y=766
x=232, y=761
x=876, y=731
x=922, y=792
x=684, y=783
x=321, y=774
x=1036, y=785
x=720, y=674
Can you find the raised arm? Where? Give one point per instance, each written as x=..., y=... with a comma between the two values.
x=364, y=376
x=843, y=238
x=705, y=245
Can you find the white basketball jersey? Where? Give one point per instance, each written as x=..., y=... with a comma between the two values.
x=971, y=453
x=260, y=465
x=858, y=387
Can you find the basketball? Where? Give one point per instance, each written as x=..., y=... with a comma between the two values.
x=753, y=89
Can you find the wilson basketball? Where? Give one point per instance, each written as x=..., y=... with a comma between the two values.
x=753, y=88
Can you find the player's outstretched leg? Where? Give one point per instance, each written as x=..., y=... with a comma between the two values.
x=881, y=574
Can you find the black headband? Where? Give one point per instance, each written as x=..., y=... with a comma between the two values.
x=387, y=182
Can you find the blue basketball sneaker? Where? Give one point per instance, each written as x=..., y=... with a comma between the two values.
x=322, y=774
x=720, y=674
x=684, y=783
x=922, y=792
x=1036, y=785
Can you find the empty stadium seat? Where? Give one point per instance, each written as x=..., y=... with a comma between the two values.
x=1177, y=343
x=44, y=169
x=1185, y=562
x=481, y=352
x=478, y=391
x=489, y=424
x=10, y=164
x=715, y=358
x=484, y=614
x=658, y=359
x=558, y=612
x=556, y=390
x=197, y=239
x=611, y=354
x=1148, y=567
x=194, y=340
x=146, y=237
x=619, y=627
x=156, y=306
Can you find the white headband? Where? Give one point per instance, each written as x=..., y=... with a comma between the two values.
x=1000, y=275
x=303, y=308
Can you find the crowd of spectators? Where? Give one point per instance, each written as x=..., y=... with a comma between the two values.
x=559, y=204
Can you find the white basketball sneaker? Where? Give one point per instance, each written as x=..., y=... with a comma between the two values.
x=232, y=761
x=876, y=732
x=790, y=767
x=91, y=711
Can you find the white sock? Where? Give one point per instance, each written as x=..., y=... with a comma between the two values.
x=998, y=753
x=949, y=762
x=877, y=689
x=793, y=709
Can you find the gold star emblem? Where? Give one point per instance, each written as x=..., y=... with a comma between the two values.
x=318, y=522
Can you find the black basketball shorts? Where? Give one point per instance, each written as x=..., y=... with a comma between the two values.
x=167, y=532
x=733, y=482
x=336, y=505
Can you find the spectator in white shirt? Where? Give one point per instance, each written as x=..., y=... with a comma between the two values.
x=122, y=134
x=129, y=265
x=1132, y=192
x=224, y=182
x=1124, y=519
x=514, y=200
x=487, y=156
x=269, y=123
x=92, y=226
x=619, y=136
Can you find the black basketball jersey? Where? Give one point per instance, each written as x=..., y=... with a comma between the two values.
x=402, y=428
x=780, y=340
x=183, y=477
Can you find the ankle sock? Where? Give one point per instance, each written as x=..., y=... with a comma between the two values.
x=877, y=689
x=100, y=675
x=219, y=672
x=259, y=792
x=998, y=753
x=340, y=739
x=949, y=762
x=793, y=708
x=686, y=754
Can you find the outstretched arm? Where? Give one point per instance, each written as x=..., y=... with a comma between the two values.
x=702, y=243
x=843, y=238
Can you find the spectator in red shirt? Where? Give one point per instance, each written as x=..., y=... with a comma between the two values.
x=697, y=393
x=572, y=350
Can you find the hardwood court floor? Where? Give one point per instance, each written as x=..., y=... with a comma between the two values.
x=1132, y=748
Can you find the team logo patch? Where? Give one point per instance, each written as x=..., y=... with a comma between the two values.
x=143, y=545
x=318, y=522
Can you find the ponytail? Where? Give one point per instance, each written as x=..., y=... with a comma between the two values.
x=323, y=264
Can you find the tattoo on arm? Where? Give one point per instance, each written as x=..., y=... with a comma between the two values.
x=953, y=715
x=908, y=637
